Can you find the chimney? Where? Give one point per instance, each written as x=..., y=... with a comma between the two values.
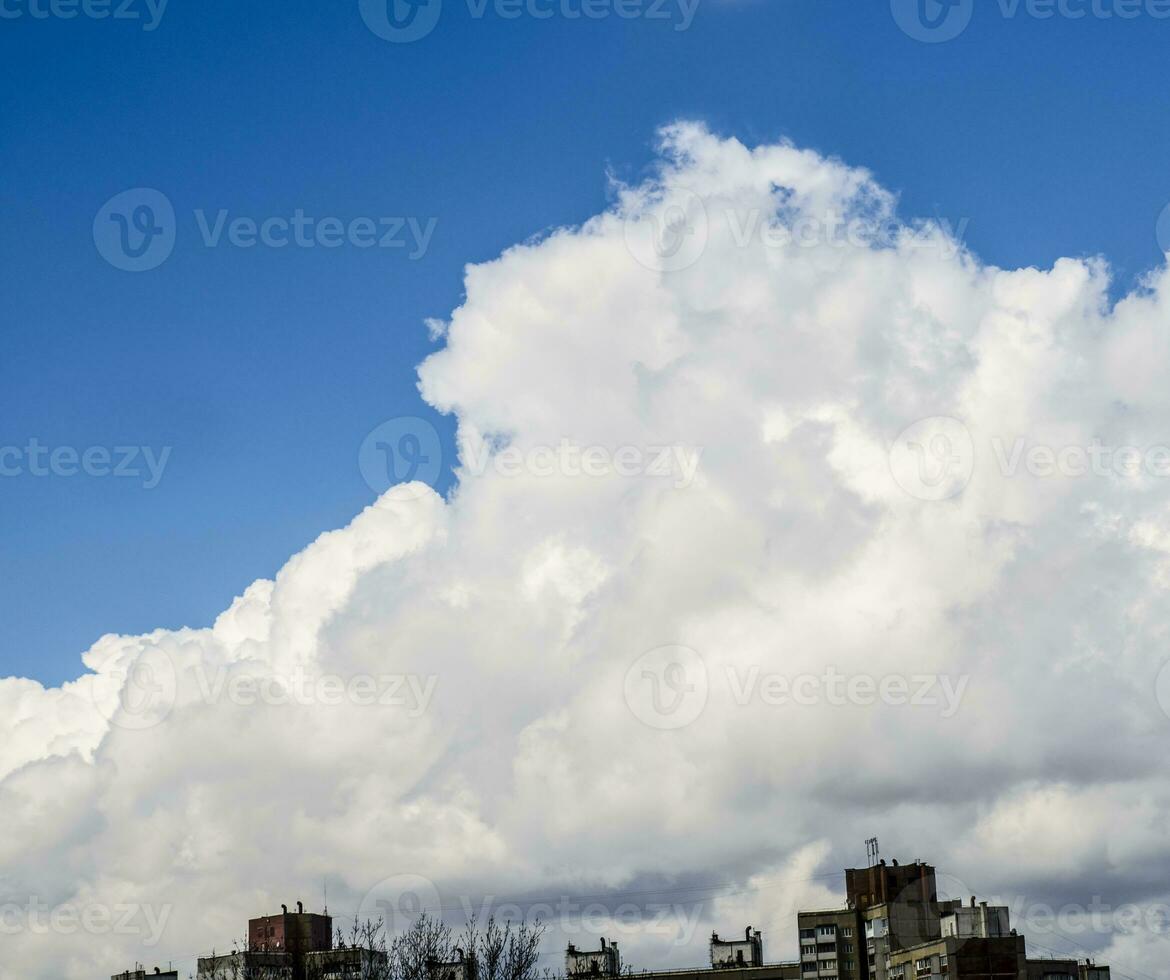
x=284, y=909
x=972, y=901
x=300, y=908
x=603, y=942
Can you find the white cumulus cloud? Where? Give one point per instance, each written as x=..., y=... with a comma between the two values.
x=701, y=392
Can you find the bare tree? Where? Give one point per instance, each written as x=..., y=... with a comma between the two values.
x=427, y=941
x=367, y=942
x=504, y=952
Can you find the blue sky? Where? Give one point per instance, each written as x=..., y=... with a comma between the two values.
x=263, y=369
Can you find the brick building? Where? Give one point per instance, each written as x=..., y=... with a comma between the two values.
x=291, y=946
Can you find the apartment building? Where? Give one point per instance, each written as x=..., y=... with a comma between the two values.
x=958, y=958
x=898, y=907
x=746, y=952
x=343, y=963
x=1064, y=969
x=831, y=945
x=461, y=968
x=138, y=973
x=967, y=921
x=290, y=946
x=245, y=966
x=295, y=933
x=911, y=935
x=603, y=962
x=731, y=959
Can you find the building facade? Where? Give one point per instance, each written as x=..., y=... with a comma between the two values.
x=728, y=953
x=603, y=962
x=292, y=946
x=953, y=958
x=245, y=966
x=906, y=933
x=831, y=945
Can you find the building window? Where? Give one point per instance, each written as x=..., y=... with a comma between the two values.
x=849, y=947
x=847, y=931
x=808, y=934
